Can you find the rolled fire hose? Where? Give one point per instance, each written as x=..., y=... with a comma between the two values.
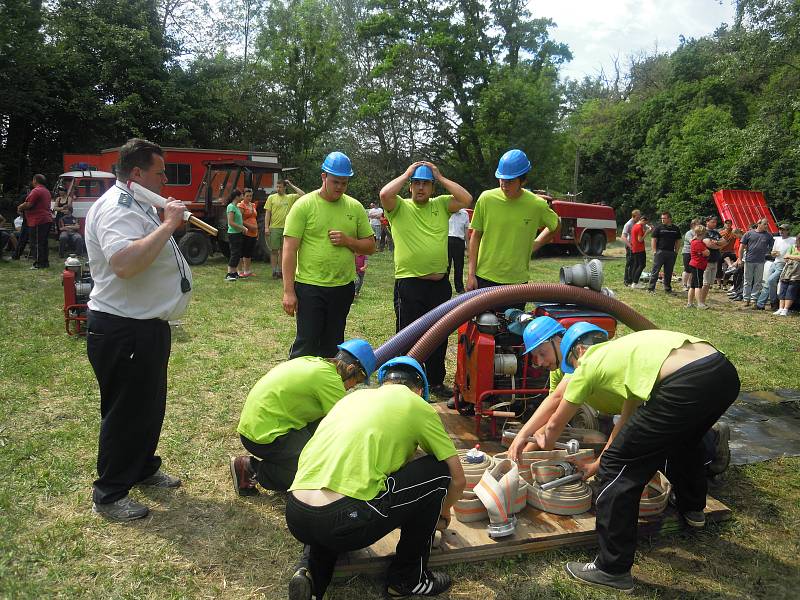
x=579, y=459
x=474, y=471
x=655, y=496
x=439, y=329
x=403, y=340
x=571, y=498
x=497, y=490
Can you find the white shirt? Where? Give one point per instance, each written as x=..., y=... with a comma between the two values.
x=782, y=246
x=458, y=225
x=375, y=215
x=626, y=232
x=155, y=293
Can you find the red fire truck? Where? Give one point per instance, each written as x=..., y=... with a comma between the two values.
x=590, y=227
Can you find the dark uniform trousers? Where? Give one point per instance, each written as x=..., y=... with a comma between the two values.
x=413, y=502
x=275, y=464
x=40, y=233
x=664, y=433
x=321, y=318
x=455, y=260
x=413, y=297
x=129, y=358
x=666, y=259
x=638, y=261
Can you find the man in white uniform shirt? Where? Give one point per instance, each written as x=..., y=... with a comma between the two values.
x=141, y=281
x=374, y=214
x=456, y=243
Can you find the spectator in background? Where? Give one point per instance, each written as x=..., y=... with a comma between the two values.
x=361, y=270
x=456, y=244
x=387, y=241
x=780, y=247
x=21, y=226
x=687, y=253
x=728, y=251
x=626, y=239
x=62, y=203
x=665, y=242
x=70, y=239
x=757, y=244
x=375, y=214
x=275, y=211
x=37, y=212
x=697, y=266
x=714, y=243
x=236, y=229
x=7, y=238
x=250, y=235
x=790, y=280
x=638, y=252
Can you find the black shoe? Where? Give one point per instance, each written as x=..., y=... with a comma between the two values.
x=161, y=479
x=432, y=583
x=589, y=573
x=442, y=391
x=722, y=458
x=123, y=510
x=300, y=585
x=451, y=404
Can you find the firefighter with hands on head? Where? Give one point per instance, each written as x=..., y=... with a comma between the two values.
x=275, y=210
x=141, y=282
x=669, y=389
x=420, y=226
x=324, y=230
x=357, y=480
x=282, y=412
x=505, y=227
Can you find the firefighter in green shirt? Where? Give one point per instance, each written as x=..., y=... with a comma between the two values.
x=275, y=210
x=419, y=227
x=505, y=226
x=324, y=230
x=357, y=480
x=669, y=389
x=284, y=408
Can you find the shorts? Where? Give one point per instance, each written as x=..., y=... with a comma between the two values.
x=275, y=238
x=686, y=266
x=710, y=274
x=248, y=245
x=789, y=290
x=697, y=277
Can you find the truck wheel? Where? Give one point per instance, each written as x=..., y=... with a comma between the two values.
x=598, y=243
x=586, y=243
x=195, y=247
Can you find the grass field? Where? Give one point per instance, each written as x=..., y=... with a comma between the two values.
x=202, y=541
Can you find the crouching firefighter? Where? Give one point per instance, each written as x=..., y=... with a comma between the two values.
x=669, y=389
x=356, y=482
x=284, y=408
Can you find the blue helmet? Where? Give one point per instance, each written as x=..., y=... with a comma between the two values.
x=362, y=352
x=578, y=330
x=409, y=362
x=513, y=164
x=424, y=173
x=539, y=331
x=337, y=163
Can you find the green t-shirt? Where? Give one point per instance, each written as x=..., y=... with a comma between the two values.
x=420, y=236
x=366, y=437
x=310, y=219
x=278, y=206
x=627, y=367
x=289, y=397
x=509, y=228
x=555, y=378
x=237, y=217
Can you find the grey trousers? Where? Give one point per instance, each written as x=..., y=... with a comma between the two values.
x=753, y=276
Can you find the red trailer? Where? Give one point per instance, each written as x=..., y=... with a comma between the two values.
x=743, y=208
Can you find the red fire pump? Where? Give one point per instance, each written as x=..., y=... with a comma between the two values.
x=77, y=282
x=495, y=379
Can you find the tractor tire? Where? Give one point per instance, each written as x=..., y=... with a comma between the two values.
x=194, y=247
x=598, y=243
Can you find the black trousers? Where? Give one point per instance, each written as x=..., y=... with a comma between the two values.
x=638, y=260
x=666, y=433
x=485, y=283
x=39, y=234
x=22, y=242
x=235, y=242
x=275, y=464
x=628, y=265
x=412, y=502
x=129, y=358
x=455, y=260
x=666, y=259
x=413, y=297
x=321, y=318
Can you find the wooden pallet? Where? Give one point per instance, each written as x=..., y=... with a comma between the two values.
x=536, y=530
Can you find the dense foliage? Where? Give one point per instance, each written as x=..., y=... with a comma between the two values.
x=391, y=81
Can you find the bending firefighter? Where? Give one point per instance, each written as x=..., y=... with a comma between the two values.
x=284, y=408
x=357, y=480
x=669, y=389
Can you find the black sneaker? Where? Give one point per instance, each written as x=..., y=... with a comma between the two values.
x=161, y=479
x=300, y=585
x=723, y=451
x=589, y=574
x=442, y=391
x=694, y=518
x=231, y=277
x=122, y=510
x=432, y=583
